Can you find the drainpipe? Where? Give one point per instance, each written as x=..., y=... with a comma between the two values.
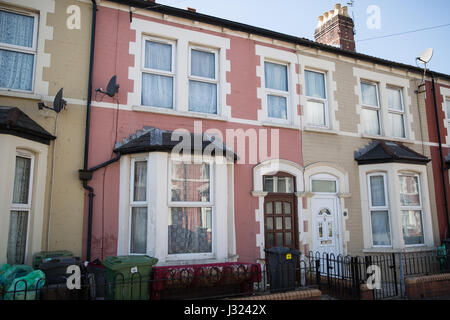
x=85, y=175
x=441, y=157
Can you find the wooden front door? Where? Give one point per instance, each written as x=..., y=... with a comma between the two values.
x=280, y=221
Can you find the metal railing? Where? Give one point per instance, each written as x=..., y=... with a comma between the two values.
x=338, y=276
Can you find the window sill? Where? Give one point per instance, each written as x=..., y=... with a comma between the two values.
x=286, y=125
x=179, y=113
x=320, y=130
x=196, y=261
x=20, y=94
x=402, y=140
x=419, y=248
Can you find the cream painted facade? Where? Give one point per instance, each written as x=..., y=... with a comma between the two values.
x=61, y=61
x=332, y=151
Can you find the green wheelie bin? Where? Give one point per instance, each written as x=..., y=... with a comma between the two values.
x=127, y=277
x=43, y=256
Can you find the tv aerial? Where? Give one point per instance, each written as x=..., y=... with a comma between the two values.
x=112, y=88
x=58, y=103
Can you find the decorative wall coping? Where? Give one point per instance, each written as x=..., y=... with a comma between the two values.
x=308, y=294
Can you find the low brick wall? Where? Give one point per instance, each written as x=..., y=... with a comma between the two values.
x=307, y=294
x=365, y=293
x=423, y=287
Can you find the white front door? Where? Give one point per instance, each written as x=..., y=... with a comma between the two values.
x=326, y=227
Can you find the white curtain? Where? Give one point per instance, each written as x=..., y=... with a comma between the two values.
x=369, y=94
x=370, y=121
x=377, y=191
x=138, y=230
x=277, y=106
x=17, y=237
x=394, y=99
x=16, y=67
x=276, y=76
x=202, y=97
x=21, y=180
x=140, y=181
x=315, y=84
x=203, y=64
x=158, y=56
x=157, y=90
x=380, y=228
x=397, y=125
x=16, y=70
x=316, y=113
x=16, y=29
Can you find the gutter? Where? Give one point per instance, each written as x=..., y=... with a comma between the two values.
x=146, y=5
x=84, y=173
x=441, y=156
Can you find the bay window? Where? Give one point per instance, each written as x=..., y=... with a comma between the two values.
x=317, y=107
x=277, y=90
x=20, y=209
x=139, y=207
x=379, y=210
x=191, y=208
x=158, y=72
x=18, y=43
x=370, y=109
x=411, y=209
x=203, y=80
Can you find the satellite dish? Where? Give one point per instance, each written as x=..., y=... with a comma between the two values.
x=425, y=56
x=112, y=87
x=58, y=103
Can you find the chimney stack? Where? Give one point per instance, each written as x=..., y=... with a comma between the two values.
x=335, y=28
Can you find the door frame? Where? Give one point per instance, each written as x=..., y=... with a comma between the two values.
x=338, y=217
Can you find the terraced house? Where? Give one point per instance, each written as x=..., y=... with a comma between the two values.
x=44, y=47
x=331, y=148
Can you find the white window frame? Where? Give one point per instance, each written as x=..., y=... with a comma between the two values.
x=397, y=112
x=24, y=207
x=184, y=204
x=279, y=93
x=413, y=208
x=447, y=107
x=275, y=184
x=203, y=79
x=379, y=208
x=137, y=204
x=21, y=49
x=370, y=107
x=319, y=100
x=165, y=73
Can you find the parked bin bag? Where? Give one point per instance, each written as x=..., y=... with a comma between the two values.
x=3, y=269
x=27, y=287
x=12, y=273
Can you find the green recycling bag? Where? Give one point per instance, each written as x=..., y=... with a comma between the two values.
x=27, y=287
x=8, y=273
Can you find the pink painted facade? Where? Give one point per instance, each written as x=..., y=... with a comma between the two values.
x=442, y=93
x=114, y=119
